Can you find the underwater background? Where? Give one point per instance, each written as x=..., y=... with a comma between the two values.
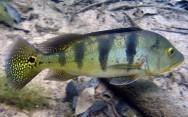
x=38, y=20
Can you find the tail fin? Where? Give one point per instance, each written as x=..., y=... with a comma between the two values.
x=22, y=64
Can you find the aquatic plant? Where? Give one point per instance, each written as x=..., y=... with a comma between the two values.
x=28, y=98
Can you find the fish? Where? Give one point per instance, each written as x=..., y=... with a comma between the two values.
x=5, y=17
x=13, y=12
x=123, y=52
x=8, y=14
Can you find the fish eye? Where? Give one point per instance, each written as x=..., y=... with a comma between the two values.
x=32, y=59
x=170, y=51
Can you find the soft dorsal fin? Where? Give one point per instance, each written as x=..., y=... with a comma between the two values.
x=60, y=43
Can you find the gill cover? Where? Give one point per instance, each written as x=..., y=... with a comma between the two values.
x=21, y=65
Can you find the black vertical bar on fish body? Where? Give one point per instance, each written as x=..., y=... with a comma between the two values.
x=104, y=46
x=62, y=59
x=79, y=49
x=130, y=47
x=53, y=58
x=156, y=47
x=156, y=44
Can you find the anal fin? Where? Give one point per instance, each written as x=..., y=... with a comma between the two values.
x=59, y=75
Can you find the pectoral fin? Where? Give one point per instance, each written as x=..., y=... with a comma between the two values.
x=59, y=75
x=123, y=80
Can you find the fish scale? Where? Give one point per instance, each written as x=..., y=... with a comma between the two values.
x=101, y=48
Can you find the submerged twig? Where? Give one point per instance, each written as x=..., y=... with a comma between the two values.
x=171, y=31
x=133, y=24
x=179, y=28
x=44, y=3
x=21, y=29
x=145, y=16
x=89, y=7
x=77, y=2
x=125, y=6
x=93, y=5
x=183, y=79
x=15, y=27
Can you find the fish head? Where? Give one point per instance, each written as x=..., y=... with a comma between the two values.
x=162, y=56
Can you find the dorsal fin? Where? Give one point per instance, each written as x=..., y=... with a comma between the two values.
x=118, y=30
x=60, y=43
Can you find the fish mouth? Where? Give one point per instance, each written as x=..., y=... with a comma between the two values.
x=177, y=63
x=168, y=69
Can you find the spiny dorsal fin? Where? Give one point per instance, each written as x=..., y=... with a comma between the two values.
x=118, y=30
x=60, y=43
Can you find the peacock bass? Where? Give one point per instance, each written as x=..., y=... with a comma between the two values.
x=124, y=52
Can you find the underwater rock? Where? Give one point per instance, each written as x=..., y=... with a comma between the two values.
x=89, y=97
x=85, y=100
x=75, y=89
x=71, y=91
x=182, y=4
x=97, y=107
